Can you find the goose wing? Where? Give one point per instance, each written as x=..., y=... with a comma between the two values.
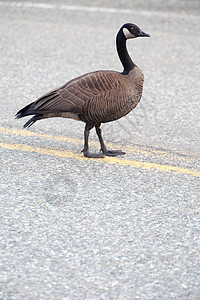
x=75, y=94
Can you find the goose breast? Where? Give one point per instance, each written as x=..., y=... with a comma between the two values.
x=114, y=95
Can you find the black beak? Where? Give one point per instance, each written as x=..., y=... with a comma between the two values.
x=142, y=33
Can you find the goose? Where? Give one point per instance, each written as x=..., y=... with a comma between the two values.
x=96, y=97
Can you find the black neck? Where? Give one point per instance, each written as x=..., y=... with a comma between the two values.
x=126, y=61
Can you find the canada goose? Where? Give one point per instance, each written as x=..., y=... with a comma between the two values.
x=96, y=97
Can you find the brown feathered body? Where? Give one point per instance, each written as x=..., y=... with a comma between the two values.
x=96, y=97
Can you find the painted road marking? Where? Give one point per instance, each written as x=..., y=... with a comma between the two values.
x=108, y=160
x=127, y=148
x=94, y=9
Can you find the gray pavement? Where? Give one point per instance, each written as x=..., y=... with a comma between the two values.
x=74, y=228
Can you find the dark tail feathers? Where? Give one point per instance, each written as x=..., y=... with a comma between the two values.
x=31, y=121
x=27, y=111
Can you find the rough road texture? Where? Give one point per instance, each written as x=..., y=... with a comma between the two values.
x=73, y=228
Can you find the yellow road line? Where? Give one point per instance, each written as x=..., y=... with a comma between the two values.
x=4, y=130
x=126, y=148
x=108, y=160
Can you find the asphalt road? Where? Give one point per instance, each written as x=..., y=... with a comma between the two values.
x=114, y=228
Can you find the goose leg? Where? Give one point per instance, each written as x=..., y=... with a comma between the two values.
x=103, y=146
x=85, y=150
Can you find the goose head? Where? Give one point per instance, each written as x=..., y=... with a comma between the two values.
x=132, y=31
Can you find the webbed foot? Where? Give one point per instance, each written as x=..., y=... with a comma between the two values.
x=113, y=152
x=93, y=155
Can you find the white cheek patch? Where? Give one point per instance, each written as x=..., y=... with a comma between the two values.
x=127, y=34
